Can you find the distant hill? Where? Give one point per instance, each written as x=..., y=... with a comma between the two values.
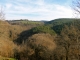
x=61, y=21
x=58, y=24
x=25, y=22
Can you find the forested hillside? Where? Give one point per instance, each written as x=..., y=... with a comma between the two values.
x=58, y=39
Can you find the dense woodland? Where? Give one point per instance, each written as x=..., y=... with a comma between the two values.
x=57, y=39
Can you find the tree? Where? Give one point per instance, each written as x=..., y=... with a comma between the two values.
x=38, y=47
x=76, y=6
x=2, y=14
x=69, y=40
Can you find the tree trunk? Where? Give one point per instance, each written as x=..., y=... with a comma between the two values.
x=66, y=55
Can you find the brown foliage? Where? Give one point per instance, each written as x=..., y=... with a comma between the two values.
x=39, y=46
x=8, y=33
x=68, y=43
x=6, y=48
x=44, y=40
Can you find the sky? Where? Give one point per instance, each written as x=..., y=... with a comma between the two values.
x=36, y=9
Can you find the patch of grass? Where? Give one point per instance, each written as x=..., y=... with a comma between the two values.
x=5, y=58
x=12, y=59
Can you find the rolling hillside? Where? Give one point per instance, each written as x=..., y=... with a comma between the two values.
x=35, y=40
x=52, y=27
x=58, y=24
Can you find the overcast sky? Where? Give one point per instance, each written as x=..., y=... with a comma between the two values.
x=37, y=9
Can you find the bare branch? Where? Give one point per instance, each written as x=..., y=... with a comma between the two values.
x=76, y=6
x=2, y=14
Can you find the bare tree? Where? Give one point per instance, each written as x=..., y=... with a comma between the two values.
x=76, y=7
x=2, y=14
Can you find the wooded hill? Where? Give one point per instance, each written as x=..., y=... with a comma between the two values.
x=57, y=39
